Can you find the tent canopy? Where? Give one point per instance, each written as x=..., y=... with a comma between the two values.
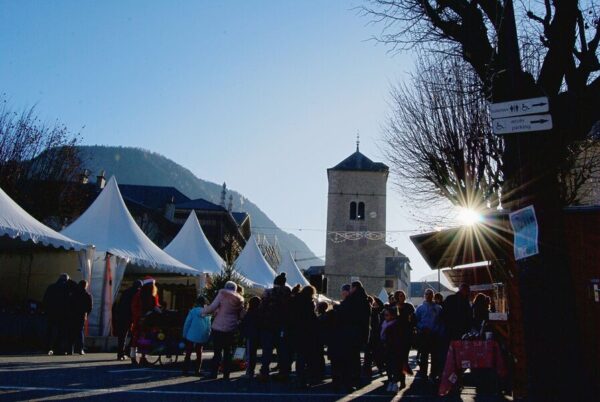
x=191, y=247
x=16, y=223
x=292, y=272
x=383, y=295
x=252, y=265
x=110, y=227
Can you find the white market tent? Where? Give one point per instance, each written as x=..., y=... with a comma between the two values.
x=292, y=272
x=251, y=264
x=42, y=245
x=110, y=227
x=191, y=247
x=383, y=295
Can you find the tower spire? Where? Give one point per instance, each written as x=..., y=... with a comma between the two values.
x=357, y=140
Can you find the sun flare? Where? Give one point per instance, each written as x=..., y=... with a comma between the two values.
x=468, y=216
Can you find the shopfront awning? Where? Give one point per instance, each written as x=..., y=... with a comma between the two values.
x=485, y=241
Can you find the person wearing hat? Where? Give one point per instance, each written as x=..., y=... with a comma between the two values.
x=144, y=302
x=122, y=318
x=274, y=327
x=227, y=309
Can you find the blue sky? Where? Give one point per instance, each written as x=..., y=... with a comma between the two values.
x=264, y=95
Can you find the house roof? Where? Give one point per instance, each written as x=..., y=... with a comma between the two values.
x=199, y=203
x=359, y=162
x=239, y=217
x=152, y=196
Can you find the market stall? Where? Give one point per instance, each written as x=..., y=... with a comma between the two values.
x=475, y=255
x=121, y=248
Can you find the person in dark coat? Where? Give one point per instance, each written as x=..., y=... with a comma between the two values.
x=407, y=323
x=353, y=322
x=81, y=306
x=250, y=331
x=457, y=314
x=481, y=312
x=303, y=329
x=274, y=328
x=324, y=330
x=56, y=306
x=122, y=318
x=373, y=349
x=391, y=335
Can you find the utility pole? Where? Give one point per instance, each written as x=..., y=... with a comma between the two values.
x=545, y=289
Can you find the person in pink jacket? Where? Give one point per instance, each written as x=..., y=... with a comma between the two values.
x=227, y=309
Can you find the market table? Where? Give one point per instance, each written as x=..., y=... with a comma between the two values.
x=470, y=355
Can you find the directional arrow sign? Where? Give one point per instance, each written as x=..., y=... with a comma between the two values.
x=519, y=124
x=519, y=107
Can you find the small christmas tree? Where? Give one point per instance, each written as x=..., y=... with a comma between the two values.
x=217, y=281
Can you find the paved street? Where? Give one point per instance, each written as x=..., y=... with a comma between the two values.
x=99, y=377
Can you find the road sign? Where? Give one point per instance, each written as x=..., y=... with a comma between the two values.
x=519, y=107
x=519, y=124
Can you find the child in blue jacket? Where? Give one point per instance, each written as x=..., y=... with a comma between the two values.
x=196, y=332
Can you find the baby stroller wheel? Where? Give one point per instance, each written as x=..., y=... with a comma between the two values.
x=153, y=359
x=165, y=360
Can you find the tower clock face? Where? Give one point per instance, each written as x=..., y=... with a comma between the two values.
x=373, y=214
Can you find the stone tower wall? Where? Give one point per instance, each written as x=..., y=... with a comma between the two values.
x=363, y=258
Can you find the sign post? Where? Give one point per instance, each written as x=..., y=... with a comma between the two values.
x=521, y=116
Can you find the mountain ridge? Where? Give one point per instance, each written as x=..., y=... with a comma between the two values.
x=144, y=167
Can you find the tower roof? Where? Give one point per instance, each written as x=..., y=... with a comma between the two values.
x=358, y=161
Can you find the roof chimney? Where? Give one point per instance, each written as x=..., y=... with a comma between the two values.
x=230, y=205
x=170, y=209
x=84, y=177
x=101, y=180
x=223, y=194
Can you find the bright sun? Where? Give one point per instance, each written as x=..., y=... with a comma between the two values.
x=468, y=216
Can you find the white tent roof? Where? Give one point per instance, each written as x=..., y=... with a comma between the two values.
x=292, y=272
x=383, y=295
x=15, y=222
x=252, y=265
x=110, y=227
x=191, y=247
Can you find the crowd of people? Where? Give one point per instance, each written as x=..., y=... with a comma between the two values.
x=291, y=322
x=67, y=304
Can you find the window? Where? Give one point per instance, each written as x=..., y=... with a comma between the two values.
x=361, y=211
x=357, y=213
x=352, y=211
x=389, y=283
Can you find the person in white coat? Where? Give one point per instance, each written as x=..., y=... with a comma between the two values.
x=196, y=332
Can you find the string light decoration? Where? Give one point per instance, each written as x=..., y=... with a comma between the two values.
x=342, y=236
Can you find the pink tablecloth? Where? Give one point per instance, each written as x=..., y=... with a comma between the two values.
x=470, y=355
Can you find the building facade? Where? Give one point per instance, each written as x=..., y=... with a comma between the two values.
x=356, y=228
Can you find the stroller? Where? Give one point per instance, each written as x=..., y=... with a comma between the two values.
x=160, y=337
